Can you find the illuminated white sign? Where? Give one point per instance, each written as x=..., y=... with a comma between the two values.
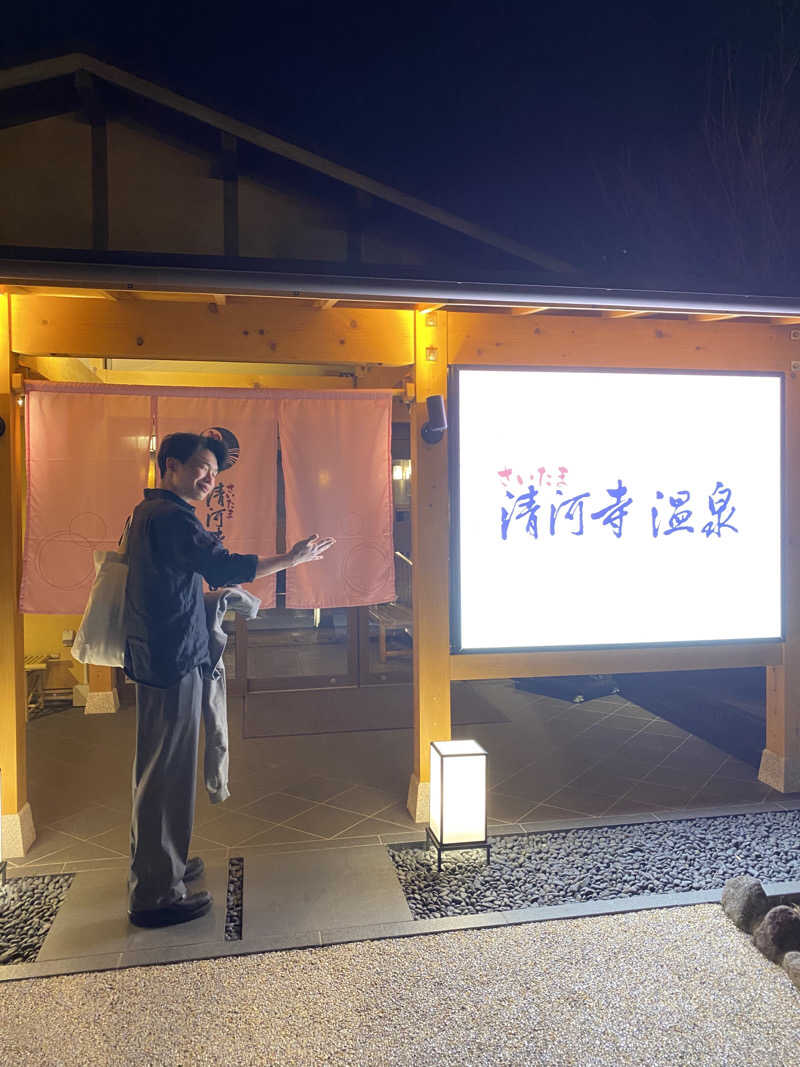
x=613, y=508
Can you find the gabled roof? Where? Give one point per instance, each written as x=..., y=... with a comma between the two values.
x=62, y=66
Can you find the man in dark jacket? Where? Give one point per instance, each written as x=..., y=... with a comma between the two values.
x=169, y=553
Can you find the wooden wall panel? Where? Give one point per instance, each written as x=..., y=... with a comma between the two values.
x=161, y=198
x=274, y=225
x=46, y=184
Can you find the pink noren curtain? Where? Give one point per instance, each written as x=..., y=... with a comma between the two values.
x=241, y=510
x=86, y=456
x=337, y=468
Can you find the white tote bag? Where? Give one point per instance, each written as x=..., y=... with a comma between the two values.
x=100, y=639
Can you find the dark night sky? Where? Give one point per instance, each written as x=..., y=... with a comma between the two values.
x=498, y=112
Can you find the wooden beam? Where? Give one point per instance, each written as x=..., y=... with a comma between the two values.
x=61, y=368
x=17, y=827
x=383, y=378
x=208, y=380
x=485, y=665
x=93, y=111
x=261, y=331
x=780, y=760
x=574, y=341
x=430, y=548
x=230, y=194
x=65, y=293
x=714, y=317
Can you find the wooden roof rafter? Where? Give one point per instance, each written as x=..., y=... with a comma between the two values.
x=78, y=63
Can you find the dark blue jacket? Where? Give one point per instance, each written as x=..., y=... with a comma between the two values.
x=165, y=617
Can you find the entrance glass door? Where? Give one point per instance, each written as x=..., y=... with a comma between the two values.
x=285, y=649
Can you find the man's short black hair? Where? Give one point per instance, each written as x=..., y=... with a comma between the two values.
x=182, y=446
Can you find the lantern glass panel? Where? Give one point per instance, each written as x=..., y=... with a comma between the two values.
x=458, y=792
x=435, y=820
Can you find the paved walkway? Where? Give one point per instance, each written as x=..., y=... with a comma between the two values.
x=659, y=988
x=311, y=817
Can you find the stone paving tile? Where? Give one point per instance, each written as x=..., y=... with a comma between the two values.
x=397, y=814
x=506, y=808
x=695, y=759
x=118, y=839
x=354, y=885
x=318, y=788
x=546, y=813
x=578, y=800
x=47, y=843
x=720, y=790
x=535, y=786
x=677, y=776
x=416, y=833
x=370, y=825
x=82, y=850
x=308, y=844
x=28, y=870
x=232, y=828
x=647, y=794
x=247, y=790
x=278, y=807
x=364, y=800
x=593, y=781
x=87, y=823
x=111, y=863
x=668, y=729
x=631, y=807
x=647, y=743
x=281, y=834
x=324, y=820
x=737, y=770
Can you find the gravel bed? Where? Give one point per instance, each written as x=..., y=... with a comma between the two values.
x=28, y=907
x=667, y=988
x=601, y=863
x=234, y=899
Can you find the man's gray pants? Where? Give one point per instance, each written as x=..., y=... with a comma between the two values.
x=164, y=778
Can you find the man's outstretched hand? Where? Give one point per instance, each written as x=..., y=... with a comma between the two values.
x=309, y=549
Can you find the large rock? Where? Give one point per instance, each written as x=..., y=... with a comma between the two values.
x=778, y=933
x=791, y=964
x=745, y=902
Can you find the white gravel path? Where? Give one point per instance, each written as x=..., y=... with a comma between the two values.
x=655, y=989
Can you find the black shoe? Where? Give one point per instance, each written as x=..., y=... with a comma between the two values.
x=195, y=868
x=192, y=906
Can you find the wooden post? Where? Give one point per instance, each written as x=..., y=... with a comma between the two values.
x=18, y=832
x=430, y=551
x=780, y=760
x=102, y=698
